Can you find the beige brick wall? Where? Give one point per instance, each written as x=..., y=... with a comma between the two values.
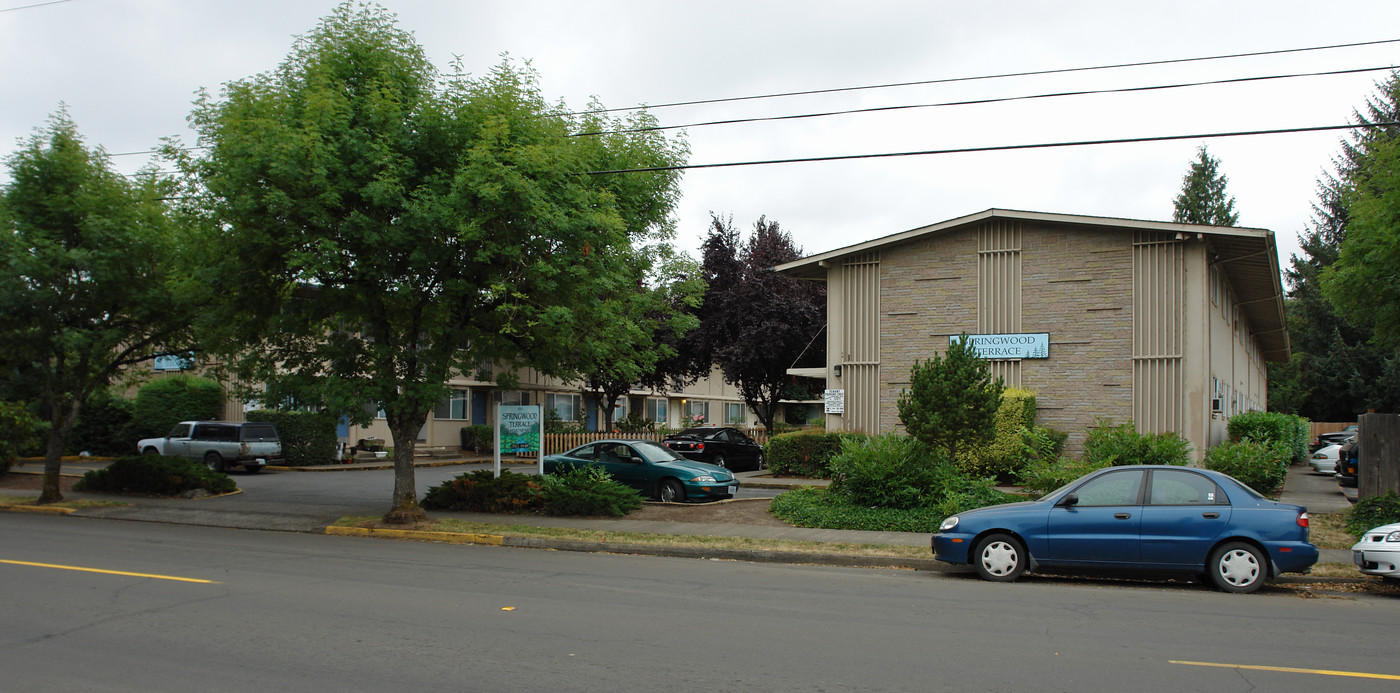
x=1076, y=285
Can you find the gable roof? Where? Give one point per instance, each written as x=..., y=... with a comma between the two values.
x=1248, y=257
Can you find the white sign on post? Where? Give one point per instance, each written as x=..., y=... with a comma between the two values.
x=520, y=431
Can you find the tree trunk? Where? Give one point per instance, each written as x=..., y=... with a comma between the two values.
x=61, y=422
x=405, y=509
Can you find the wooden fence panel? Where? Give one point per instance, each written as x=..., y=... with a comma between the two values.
x=555, y=443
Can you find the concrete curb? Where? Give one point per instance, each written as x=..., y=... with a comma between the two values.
x=756, y=556
x=37, y=509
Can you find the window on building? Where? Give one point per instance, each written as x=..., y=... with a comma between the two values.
x=1214, y=286
x=620, y=411
x=515, y=398
x=566, y=407
x=734, y=413
x=656, y=410
x=697, y=411
x=456, y=406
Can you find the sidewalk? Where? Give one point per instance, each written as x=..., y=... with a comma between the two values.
x=1320, y=494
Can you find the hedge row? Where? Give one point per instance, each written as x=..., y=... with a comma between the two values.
x=805, y=453
x=308, y=437
x=1272, y=427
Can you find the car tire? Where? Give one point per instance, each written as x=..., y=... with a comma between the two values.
x=718, y=461
x=214, y=462
x=1000, y=558
x=1238, y=568
x=670, y=491
x=762, y=463
x=150, y=452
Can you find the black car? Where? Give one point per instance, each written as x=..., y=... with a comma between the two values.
x=1347, y=463
x=722, y=447
x=1333, y=438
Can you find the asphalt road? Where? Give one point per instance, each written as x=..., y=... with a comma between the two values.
x=302, y=612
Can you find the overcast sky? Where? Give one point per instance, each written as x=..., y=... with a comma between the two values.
x=129, y=69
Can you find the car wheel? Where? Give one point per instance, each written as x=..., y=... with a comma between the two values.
x=999, y=558
x=762, y=463
x=670, y=491
x=718, y=461
x=150, y=451
x=1238, y=567
x=214, y=462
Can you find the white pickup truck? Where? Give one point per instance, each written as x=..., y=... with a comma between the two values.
x=220, y=444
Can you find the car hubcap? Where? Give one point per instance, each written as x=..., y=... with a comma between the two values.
x=1239, y=568
x=999, y=558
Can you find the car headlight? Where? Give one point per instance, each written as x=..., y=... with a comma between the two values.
x=704, y=479
x=1393, y=536
x=948, y=524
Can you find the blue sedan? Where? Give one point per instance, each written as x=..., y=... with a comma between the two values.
x=1141, y=518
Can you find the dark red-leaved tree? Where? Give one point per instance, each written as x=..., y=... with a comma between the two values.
x=755, y=323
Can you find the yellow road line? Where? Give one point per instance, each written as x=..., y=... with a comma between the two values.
x=109, y=572
x=1292, y=670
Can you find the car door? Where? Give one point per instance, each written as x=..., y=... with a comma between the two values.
x=177, y=442
x=1098, y=522
x=744, y=450
x=1185, y=513
x=625, y=465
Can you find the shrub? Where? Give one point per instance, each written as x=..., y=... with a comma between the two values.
x=887, y=471
x=1261, y=466
x=163, y=403
x=17, y=432
x=105, y=426
x=308, y=437
x=1115, y=446
x=820, y=507
x=636, y=421
x=587, y=491
x=804, y=453
x=1273, y=427
x=1045, y=474
x=1005, y=453
x=482, y=492
x=478, y=438
x=1373, y=512
x=155, y=475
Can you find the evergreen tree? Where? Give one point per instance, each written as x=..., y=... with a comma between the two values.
x=952, y=400
x=1202, y=199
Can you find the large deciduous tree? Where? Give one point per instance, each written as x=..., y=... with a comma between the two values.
x=387, y=225
x=1362, y=284
x=1203, y=199
x=91, y=279
x=1337, y=371
x=755, y=323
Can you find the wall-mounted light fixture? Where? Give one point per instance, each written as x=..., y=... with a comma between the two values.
x=837, y=370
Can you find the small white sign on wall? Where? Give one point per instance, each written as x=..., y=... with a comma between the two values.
x=835, y=401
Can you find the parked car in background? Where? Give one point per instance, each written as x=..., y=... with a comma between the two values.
x=1324, y=461
x=1335, y=437
x=651, y=468
x=220, y=444
x=1141, y=519
x=1347, y=463
x=720, y=446
x=1378, y=552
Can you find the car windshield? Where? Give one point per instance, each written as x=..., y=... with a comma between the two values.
x=655, y=452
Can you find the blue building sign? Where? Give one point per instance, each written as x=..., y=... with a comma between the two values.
x=1009, y=347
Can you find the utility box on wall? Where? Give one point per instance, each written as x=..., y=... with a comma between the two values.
x=1378, y=464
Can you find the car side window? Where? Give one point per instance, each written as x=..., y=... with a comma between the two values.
x=586, y=452
x=1170, y=487
x=202, y=432
x=180, y=431
x=1114, y=488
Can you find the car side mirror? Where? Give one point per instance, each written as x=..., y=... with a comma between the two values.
x=1070, y=500
x=635, y=460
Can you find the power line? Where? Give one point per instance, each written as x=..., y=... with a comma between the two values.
x=30, y=7
x=1032, y=73
x=974, y=102
x=993, y=148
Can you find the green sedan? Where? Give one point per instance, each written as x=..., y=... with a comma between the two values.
x=651, y=468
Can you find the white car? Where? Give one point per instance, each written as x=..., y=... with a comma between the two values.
x=1378, y=552
x=1324, y=461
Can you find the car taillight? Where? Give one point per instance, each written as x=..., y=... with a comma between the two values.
x=1302, y=519
x=699, y=447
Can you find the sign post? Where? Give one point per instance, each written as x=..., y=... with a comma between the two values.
x=521, y=430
